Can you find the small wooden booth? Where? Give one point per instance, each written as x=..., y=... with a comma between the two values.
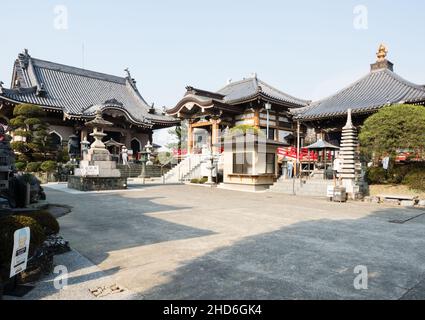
x=250, y=162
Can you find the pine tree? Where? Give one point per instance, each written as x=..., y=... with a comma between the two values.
x=35, y=143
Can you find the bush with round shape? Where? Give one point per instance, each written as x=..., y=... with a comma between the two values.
x=33, y=167
x=8, y=226
x=48, y=223
x=20, y=166
x=49, y=166
x=376, y=175
x=415, y=179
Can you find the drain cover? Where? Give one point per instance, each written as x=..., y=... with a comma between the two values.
x=407, y=220
x=100, y=292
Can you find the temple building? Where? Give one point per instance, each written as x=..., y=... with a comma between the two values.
x=239, y=103
x=324, y=119
x=71, y=96
x=293, y=122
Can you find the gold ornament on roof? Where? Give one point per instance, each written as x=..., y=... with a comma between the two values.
x=382, y=52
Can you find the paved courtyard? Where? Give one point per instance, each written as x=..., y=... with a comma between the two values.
x=189, y=242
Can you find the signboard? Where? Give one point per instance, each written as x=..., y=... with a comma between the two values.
x=21, y=246
x=88, y=171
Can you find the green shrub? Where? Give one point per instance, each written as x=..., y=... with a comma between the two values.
x=33, y=167
x=199, y=181
x=376, y=175
x=396, y=175
x=415, y=179
x=8, y=226
x=49, y=166
x=48, y=223
x=20, y=166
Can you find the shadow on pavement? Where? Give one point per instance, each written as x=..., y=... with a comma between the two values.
x=310, y=260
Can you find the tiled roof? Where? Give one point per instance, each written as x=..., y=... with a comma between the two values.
x=375, y=90
x=77, y=92
x=249, y=88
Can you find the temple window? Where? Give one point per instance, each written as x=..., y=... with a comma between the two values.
x=270, y=163
x=56, y=140
x=271, y=133
x=241, y=163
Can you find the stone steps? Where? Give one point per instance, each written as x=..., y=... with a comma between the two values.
x=135, y=170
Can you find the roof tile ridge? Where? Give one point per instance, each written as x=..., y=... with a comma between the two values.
x=88, y=73
x=346, y=88
x=261, y=82
x=403, y=81
x=235, y=83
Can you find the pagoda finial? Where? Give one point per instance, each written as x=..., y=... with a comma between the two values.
x=349, y=124
x=99, y=113
x=382, y=52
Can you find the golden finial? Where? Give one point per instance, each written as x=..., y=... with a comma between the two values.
x=382, y=52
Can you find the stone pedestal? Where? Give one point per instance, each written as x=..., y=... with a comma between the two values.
x=97, y=171
x=96, y=183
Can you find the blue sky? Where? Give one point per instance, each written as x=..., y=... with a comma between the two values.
x=308, y=49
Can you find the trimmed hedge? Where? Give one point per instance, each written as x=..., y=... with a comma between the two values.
x=199, y=181
x=376, y=175
x=8, y=226
x=415, y=179
x=48, y=223
x=33, y=167
x=412, y=175
x=20, y=166
x=49, y=166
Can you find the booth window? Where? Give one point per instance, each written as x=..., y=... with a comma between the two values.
x=270, y=163
x=241, y=164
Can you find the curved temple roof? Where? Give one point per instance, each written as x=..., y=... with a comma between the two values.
x=378, y=88
x=249, y=88
x=78, y=92
x=236, y=93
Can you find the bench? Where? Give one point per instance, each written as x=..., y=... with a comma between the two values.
x=398, y=197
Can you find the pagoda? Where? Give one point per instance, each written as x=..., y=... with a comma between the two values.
x=351, y=167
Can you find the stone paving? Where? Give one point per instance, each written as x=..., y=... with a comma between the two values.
x=189, y=242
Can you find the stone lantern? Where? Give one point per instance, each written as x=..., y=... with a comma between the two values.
x=97, y=170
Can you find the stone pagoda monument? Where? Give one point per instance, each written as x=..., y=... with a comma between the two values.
x=97, y=170
x=351, y=167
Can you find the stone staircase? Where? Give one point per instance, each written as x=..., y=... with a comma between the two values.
x=133, y=170
x=186, y=170
x=311, y=188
